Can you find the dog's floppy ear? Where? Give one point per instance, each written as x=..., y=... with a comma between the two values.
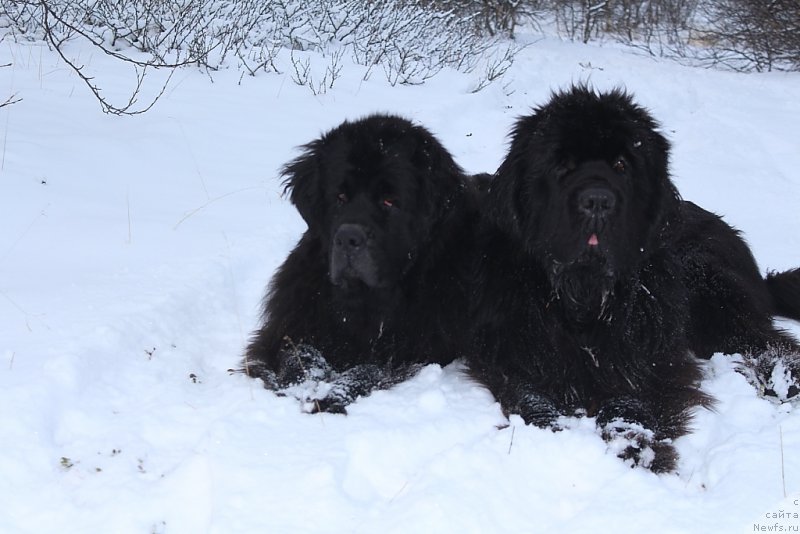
x=506, y=198
x=303, y=184
x=666, y=205
x=443, y=178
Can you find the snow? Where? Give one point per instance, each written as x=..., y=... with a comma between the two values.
x=134, y=252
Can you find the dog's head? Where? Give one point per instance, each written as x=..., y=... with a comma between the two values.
x=586, y=181
x=585, y=189
x=373, y=191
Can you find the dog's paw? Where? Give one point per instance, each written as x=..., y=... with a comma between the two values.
x=638, y=446
x=325, y=405
x=539, y=411
x=774, y=374
x=269, y=379
x=302, y=363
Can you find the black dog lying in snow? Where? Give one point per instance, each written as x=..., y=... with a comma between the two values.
x=378, y=284
x=596, y=283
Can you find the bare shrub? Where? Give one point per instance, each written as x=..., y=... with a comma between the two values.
x=752, y=35
x=736, y=34
x=409, y=41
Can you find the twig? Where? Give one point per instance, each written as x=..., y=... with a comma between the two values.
x=20, y=309
x=5, y=141
x=50, y=34
x=205, y=205
x=43, y=213
x=140, y=66
x=783, y=470
x=128, y=205
x=511, y=443
x=396, y=495
x=11, y=100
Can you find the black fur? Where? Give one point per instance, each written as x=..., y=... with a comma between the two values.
x=377, y=285
x=580, y=303
x=785, y=290
x=732, y=306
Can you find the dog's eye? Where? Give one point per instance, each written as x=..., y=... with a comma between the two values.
x=564, y=168
x=341, y=198
x=619, y=165
x=389, y=202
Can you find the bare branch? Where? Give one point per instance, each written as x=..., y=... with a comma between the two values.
x=141, y=73
x=13, y=99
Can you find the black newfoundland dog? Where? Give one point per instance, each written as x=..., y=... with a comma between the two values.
x=377, y=285
x=596, y=283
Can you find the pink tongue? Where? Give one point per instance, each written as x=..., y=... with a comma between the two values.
x=593, y=241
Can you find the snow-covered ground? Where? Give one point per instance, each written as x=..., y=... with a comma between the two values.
x=134, y=252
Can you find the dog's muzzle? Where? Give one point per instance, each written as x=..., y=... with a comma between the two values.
x=350, y=256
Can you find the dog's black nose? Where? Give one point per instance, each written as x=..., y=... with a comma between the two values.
x=350, y=237
x=596, y=201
